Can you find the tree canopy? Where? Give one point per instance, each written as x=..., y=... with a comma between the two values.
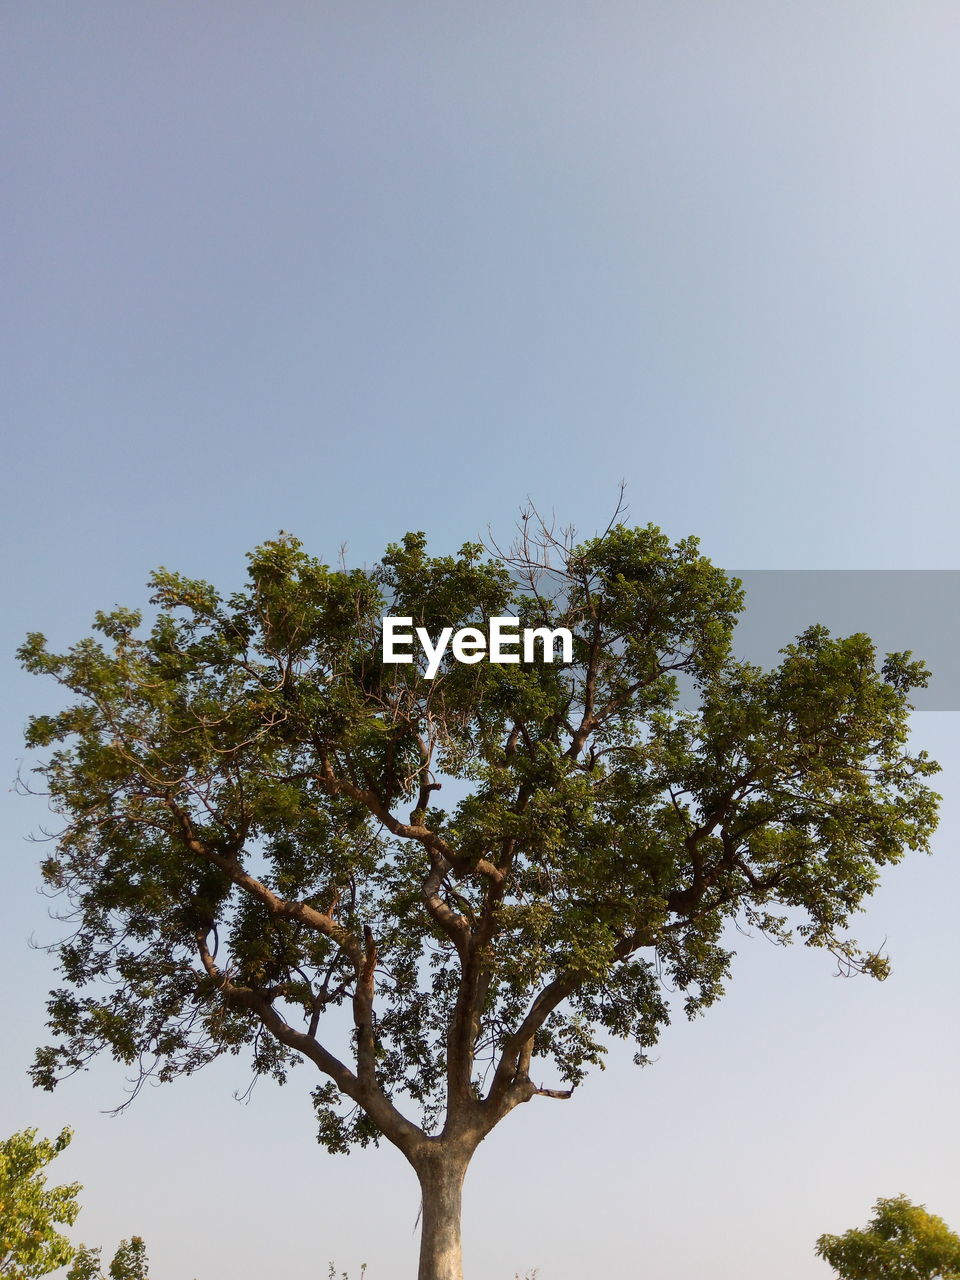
x=902, y=1241
x=253, y=834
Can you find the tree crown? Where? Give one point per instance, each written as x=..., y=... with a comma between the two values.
x=252, y=836
x=902, y=1241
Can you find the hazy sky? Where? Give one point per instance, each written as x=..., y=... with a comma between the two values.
x=351, y=269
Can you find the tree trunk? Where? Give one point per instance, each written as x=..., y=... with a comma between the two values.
x=441, y=1182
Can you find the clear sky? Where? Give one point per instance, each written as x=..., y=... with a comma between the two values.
x=348, y=269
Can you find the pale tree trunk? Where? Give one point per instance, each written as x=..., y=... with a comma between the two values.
x=441, y=1182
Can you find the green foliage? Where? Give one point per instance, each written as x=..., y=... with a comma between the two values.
x=251, y=836
x=30, y=1211
x=129, y=1262
x=902, y=1241
x=85, y=1264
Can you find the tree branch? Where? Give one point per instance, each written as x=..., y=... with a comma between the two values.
x=277, y=906
x=394, y=1126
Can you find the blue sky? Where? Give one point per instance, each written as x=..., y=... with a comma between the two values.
x=348, y=270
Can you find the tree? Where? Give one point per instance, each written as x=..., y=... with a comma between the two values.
x=30, y=1211
x=252, y=838
x=902, y=1241
x=129, y=1262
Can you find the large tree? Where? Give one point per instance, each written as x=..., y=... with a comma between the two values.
x=253, y=833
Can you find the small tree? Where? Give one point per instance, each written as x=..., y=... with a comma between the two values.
x=30, y=1211
x=902, y=1241
x=129, y=1262
x=253, y=837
